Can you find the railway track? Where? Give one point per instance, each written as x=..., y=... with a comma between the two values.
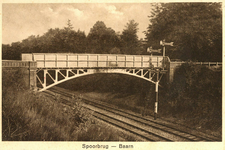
x=147, y=129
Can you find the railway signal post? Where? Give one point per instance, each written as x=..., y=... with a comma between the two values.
x=156, y=94
x=157, y=71
x=163, y=43
x=151, y=50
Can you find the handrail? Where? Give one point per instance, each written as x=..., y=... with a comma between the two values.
x=199, y=63
x=72, y=60
x=18, y=63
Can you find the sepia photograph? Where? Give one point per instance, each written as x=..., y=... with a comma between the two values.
x=125, y=75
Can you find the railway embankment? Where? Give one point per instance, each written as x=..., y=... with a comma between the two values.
x=144, y=127
x=29, y=116
x=193, y=99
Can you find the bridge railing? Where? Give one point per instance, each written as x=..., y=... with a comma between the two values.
x=209, y=64
x=18, y=63
x=71, y=60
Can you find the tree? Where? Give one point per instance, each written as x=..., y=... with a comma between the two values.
x=15, y=51
x=129, y=38
x=195, y=29
x=69, y=25
x=6, y=51
x=55, y=40
x=115, y=50
x=102, y=39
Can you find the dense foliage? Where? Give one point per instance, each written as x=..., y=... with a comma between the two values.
x=54, y=41
x=100, y=40
x=195, y=29
x=196, y=95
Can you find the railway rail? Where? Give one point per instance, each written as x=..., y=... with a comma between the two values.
x=146, y=128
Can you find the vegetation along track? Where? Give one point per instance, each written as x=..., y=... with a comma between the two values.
x=149, y=129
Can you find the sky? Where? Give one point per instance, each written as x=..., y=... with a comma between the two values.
x=20, y=21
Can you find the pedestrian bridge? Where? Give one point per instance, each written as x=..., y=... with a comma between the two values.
x=44, y=70
x=71, y=60
x=55, y=68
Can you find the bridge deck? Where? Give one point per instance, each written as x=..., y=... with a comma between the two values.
x=72, y=60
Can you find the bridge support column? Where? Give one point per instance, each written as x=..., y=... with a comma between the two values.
x=45, y=73
x=56, y=75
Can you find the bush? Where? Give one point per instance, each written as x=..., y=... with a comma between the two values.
x=196, y=94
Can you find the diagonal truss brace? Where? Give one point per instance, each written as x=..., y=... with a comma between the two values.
x=147, y=74
x=143, y=73
x=55, y=78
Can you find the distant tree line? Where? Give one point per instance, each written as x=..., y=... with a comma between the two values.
x=101, y=39
x=195, y=29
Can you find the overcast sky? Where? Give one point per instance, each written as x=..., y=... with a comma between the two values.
x=22, y=20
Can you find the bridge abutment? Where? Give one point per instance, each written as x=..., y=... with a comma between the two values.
x=32, y=75
x=171, y=70
x=28, y=70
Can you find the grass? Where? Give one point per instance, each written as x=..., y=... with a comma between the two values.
x=132, y=102
x=31, y=116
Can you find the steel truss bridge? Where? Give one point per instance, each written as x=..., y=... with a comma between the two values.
x=44, y=70
x=55, y=68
